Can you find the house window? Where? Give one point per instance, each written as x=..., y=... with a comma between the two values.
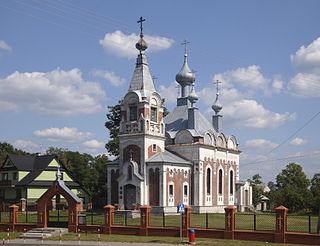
x=5, y=176
x=208, y=181
x=185, y=190
x=171, y=190
x=154, y=147
x=154, y=114
x=15, y=176
x=220, y=182
x=133, y=113
x=231, y=182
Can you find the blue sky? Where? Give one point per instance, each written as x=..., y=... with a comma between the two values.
x=62, y=62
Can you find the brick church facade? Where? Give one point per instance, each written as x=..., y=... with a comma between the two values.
x=180, y=158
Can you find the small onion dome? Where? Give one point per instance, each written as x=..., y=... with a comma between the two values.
x=141, y=45
x=217, y=105
x=193, y=96
x=185, y=75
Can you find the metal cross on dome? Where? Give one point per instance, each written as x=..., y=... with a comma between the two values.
x=140, y=21
x=185, y=42
x=217, y=83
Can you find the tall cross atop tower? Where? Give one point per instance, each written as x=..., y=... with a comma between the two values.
x=217, y=83
x=185, y=42
x=140, y=21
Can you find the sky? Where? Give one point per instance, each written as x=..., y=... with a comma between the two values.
x=62, y=62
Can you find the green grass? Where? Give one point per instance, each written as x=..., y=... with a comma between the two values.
x=169, y=240
x=13, y=235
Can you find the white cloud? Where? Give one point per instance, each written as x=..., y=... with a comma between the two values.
x=170, y=93
x=249, y=113
x=307, y=59
x=123, y=45
x=307, y=63
x=305, y=85
x=250, y=77
x=25, y=145
x=5, y=46
x=298, y=142
x=93, y=144
x=58, y=93
x=65, y=134
x=110, y=77
x=277, y=84
x=260, y=144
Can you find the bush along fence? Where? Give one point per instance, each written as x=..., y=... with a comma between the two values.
x=228, y=228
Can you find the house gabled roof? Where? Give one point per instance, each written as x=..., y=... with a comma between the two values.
x=167, y=157
x=21, y=162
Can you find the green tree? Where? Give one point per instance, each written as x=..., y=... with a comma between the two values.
x=6, y=148
x=315, y=191
x=256, y=192
x=113, y=125
x=292, y=188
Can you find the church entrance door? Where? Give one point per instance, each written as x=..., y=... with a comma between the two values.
x=129, y=196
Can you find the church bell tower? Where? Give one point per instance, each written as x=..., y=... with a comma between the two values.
x=142, y=131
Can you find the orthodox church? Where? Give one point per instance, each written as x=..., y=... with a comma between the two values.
x=180, y=158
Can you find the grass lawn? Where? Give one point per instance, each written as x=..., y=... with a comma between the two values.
x=13, y=235
x=169, y=240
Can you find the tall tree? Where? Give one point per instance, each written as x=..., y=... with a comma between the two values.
x=292, y=188
x=113, y=125
x=6, y=148
x=315, y=191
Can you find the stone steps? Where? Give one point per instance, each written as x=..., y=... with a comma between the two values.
x=45, y=232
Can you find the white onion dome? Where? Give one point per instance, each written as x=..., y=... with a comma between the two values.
x=193, y=98
x=185, y=76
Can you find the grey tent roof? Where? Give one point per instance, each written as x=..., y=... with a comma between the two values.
x=167, y=157
x=178, y=120
x=66, y=189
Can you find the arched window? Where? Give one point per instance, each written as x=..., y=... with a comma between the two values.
x=231, y=182
x=133, y=112
x=208, y=181
x=129, y=172
x=220, y=182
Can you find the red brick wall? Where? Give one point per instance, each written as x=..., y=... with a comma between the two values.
x=144, y=112
x=154, y=187
x=151, y=153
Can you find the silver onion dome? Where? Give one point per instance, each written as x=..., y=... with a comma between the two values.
x=141, y=45
x=217, y=105
x=193, y=98
x=185, y=76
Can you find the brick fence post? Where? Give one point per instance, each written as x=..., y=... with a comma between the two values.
x=186, y=221
x=108, y=218
x=13, y=216
x=281, y=224
x=230, y=212
x=144, y=220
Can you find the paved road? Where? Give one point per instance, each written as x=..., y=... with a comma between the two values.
x=32, y=242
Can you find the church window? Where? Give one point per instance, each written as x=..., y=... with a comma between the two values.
x=185, y=190
x=185, y=174
x=154, y=147
x=171, y=190
x=171, y=173
x=231, y=182
x=154, y=114
x=220, y=181
x=208, y=181
x=129, y=172
x=133, y=113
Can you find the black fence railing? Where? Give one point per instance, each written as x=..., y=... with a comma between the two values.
x=302, y=223
x=255, y=222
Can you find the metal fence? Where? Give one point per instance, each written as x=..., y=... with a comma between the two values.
x=127, y=218
x=4, y=217
x=256, y=222
x=302, y=223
